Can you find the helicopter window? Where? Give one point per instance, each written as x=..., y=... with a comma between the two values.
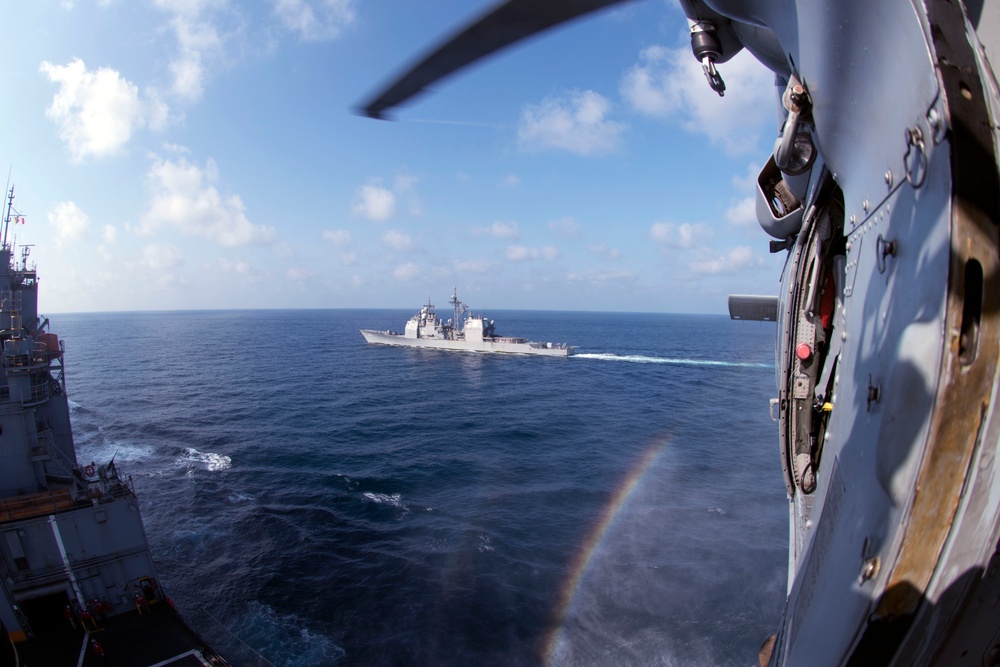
x=972, y=311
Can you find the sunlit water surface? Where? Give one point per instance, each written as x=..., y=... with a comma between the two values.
x=332, y=502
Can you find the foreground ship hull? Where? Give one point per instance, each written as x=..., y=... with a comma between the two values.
x=500, y=346
x=77, y=582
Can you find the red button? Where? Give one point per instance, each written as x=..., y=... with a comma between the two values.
x=803, y=351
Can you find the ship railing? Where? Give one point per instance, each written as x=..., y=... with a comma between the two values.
x=120, y=488
x=15, y=359
x=38, y=353
x=507, y=339
x=20, y=359
x=40, y=391
x=111, y=483
x=37, y=504
x=42, y=385
x=19, y=508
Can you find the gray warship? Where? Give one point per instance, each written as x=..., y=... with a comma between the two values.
x=77, y=582
x=465, y=332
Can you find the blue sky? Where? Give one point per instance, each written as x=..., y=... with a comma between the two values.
x=190, y=154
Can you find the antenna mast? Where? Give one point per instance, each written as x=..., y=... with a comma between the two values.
x=10, y=207
x=460, y=309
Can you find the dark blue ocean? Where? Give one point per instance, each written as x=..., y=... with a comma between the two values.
x=331, y=502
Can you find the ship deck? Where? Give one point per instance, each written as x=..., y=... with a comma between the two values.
x=155, y=639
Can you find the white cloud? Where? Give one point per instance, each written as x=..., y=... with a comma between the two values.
x=731, y=261
x=374, y=203
x=338, y=237
x=475, y=266
x=298, y=275
x=743, y=212
x=669, y=84
x=198, y=42
x=315, y=20
x=397, y=240
x=283, y=249
x=510, y=181
x=97, y=112
x=189, y=76
x=577, y=123
x=183, y=198
x=70, y=222
x=599, y=276
x=520, y=253
x=238, y=266
x=189, y=7
x=684, y=235
x=159, y=256
x=499, y=230
x=604, y=250
x=405, y=182
x=109, y=234
x=405, y=188
x=407, y=271
x=567, y=228
x=747, y=182
x=176, y=149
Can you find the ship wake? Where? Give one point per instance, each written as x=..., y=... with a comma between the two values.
x=643, y=359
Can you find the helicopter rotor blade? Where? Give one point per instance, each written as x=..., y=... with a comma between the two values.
x=505, y=24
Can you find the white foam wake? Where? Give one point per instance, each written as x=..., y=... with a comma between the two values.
x=641, y=359
x=393, y=500
x=385, y=499
x=210, y=460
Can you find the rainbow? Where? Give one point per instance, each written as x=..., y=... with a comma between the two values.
x=589, y=547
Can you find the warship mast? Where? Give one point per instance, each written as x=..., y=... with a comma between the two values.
x=459, y=309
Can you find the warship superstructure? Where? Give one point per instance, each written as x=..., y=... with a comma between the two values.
x=465, y=332
x=75, y=566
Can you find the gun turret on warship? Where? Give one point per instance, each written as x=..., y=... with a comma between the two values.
x=76, y=576
x=466, y=332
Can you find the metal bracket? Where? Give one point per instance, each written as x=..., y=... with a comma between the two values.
x=874, y=392
x=883, y=249
x=915, y=166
